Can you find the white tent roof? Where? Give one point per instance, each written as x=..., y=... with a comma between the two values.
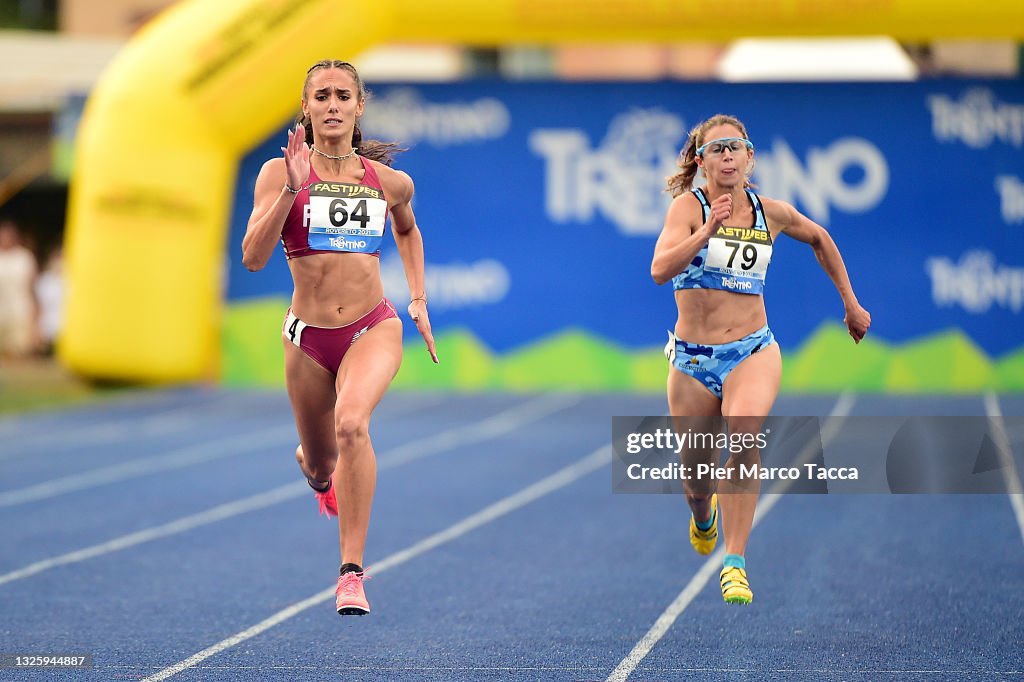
x=41, y=69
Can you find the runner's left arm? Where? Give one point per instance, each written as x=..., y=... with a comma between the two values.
x=803, y=229
x=409, y=240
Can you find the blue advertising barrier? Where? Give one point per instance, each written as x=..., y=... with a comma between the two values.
x=540, y=204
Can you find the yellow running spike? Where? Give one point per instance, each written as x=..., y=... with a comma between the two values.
x=704, y=540
x=735, y=588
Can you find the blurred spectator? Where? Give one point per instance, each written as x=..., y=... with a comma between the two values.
x=49, y=298
x=18, y=333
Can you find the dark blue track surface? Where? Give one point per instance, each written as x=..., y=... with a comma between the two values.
x=559, y=587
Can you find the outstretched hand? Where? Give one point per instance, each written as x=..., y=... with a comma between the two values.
x=296, y=157
x=418, y=313
x=857, y=320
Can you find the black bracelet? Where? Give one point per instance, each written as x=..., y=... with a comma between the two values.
x=293, y=191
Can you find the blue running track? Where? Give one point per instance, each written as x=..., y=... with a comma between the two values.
x=171, y=536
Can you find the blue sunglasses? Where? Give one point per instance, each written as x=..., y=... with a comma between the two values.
x=716, y=147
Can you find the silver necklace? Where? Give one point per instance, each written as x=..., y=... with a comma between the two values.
x=333, y=157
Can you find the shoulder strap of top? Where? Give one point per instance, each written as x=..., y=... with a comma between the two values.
x=759, y=220
x=704, y=205
x=370, y=178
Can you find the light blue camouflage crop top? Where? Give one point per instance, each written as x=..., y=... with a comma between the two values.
x=734, y=259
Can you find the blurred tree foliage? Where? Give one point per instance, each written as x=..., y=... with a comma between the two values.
x=39, y=15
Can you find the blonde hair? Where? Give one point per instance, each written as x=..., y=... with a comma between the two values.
x=683, y=180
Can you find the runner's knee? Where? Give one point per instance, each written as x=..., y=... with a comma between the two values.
x=351, y=430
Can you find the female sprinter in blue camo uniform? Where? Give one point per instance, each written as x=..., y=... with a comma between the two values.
x=342, y=338
x=715, y=249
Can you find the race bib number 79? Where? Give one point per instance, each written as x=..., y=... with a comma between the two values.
x=739, y=252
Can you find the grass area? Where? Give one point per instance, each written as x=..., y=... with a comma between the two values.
x=42, y=383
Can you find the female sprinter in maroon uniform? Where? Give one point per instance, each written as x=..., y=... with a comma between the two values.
x=328, y=200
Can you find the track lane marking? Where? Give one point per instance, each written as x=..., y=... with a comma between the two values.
x=711, y=566
x=592, y=462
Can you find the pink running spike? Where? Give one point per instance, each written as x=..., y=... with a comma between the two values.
x=350, y=597
x=328, y=502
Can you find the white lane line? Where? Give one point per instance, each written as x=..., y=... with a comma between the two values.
x=510, y=420
x=200, y=453
x=1009, y=467
x=595, y=460
x=186, y=523
x=224, y=407
x=219, y=406
x=180, y=419
x=712, y=566
x=175, y=459
x=116, y=428
x=496, y=425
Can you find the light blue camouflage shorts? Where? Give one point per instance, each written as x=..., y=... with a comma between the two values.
x=710, y=364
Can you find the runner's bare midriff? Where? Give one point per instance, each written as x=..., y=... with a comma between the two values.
x=334, y=289
x=713, y=316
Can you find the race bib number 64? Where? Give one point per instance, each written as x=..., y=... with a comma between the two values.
x=345, y=217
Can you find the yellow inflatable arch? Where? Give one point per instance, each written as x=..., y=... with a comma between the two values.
x=162, y=134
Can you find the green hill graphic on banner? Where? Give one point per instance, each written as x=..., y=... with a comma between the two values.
x=573, y=359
